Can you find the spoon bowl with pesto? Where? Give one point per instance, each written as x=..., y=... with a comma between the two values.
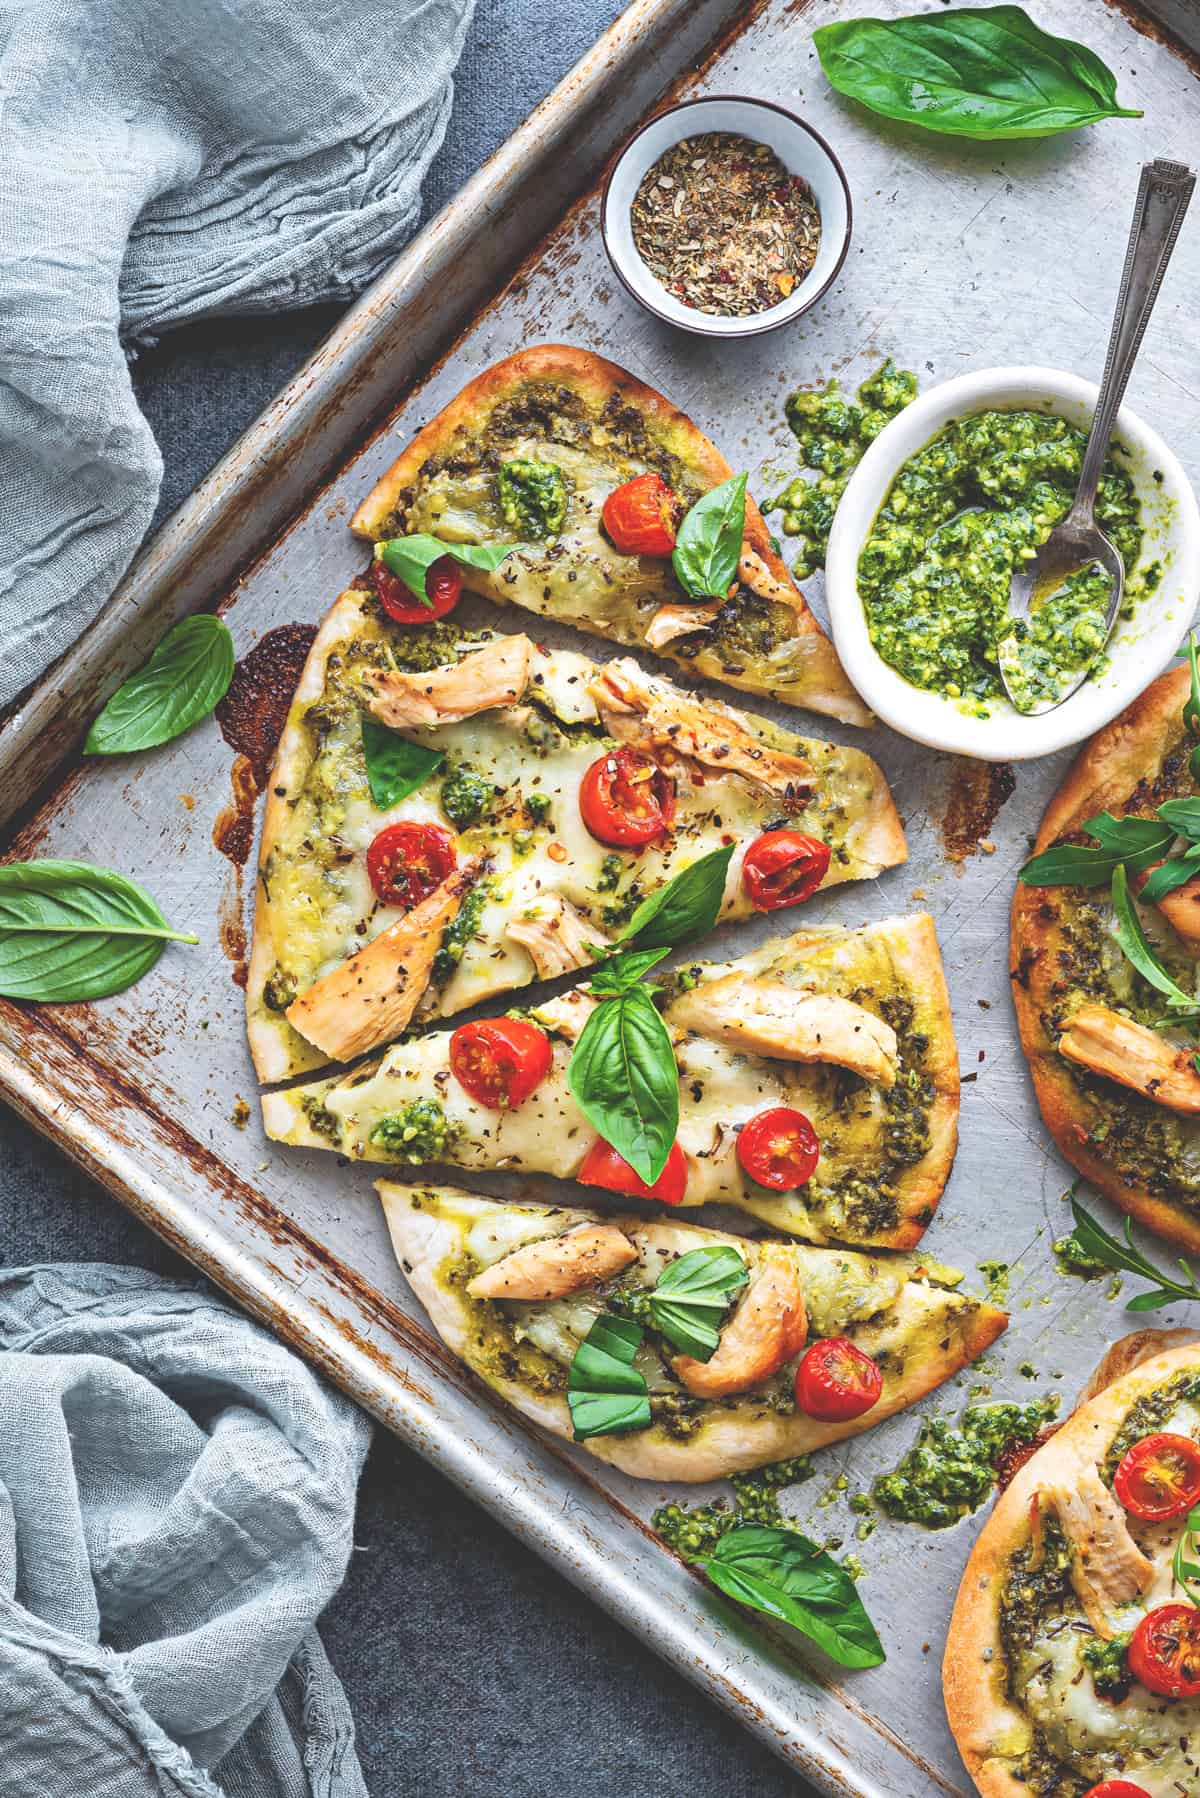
x=946, y=504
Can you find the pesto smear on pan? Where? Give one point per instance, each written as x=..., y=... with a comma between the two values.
x=961, y=515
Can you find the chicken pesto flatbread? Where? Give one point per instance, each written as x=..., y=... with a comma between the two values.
x=1073, y=1658
x=1111, y=1050
x=849, y=1028
x=514, y=1290
x=545, y=797
x=530, y=451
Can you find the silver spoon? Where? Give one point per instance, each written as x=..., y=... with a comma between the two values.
x=1077, y=542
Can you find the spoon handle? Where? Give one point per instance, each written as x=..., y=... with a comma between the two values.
x=1162, y=199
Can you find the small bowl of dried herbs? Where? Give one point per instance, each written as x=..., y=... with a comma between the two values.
x=726, y=216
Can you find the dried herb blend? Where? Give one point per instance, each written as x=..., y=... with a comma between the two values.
x=724, y=226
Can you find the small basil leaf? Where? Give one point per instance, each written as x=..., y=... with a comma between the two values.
x=623, y=1077
x=1151, y=1301
x=691, y=1296
x=1170, y=875
x=708, y=547
x=624, y=971
x=983, y=72
x=188, y=674
x=395, y=767
x=605, y=1393
x=412, y=557
x=784, y=1575
x=1070, y=865
x=687, y=906
x=1132, y=938
x=69, y=931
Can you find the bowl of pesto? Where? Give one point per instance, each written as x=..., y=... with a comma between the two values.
x=960, y=486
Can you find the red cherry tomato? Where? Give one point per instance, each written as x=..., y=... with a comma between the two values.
x=835, y=1381
x=443, y=583
x=625, y=799
x=779, y=1148
x=641, y=517
x=1165, y=1651
x=783, y=867
x=604, y=1167
x=500, y=1061
x=1116, y=1788
x=406, y=862
x=1159, y=1477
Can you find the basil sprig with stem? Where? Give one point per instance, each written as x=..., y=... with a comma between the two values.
x=692, y=1295
x=412, y=557
x=1095, y=1242
x=69, y=931
x=395, y=767
x=982, y=72
x=186, y=677
x=786, y=1576
x=606, y=1395
x=708, y=545
x=622, y=1071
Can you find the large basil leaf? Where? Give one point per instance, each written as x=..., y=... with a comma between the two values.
x=983, y=72
x=1136, y=842
x=69, y=931
x=187, y=675
x=395, y=767
x=412, y=558
x=687, y=906
x=708, y=547
x=692, y=1295
x=623, y=1077
x=783, y=1574
x=605, y=1393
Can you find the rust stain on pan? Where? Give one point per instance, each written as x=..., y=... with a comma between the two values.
x=1141, y=22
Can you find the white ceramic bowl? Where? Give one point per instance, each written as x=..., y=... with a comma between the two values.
x=1139, y=649
x=802, y=152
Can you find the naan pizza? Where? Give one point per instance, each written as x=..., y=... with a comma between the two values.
x=851, y=1029
x=549, y=796
x=812, y=1345
x=532, y=452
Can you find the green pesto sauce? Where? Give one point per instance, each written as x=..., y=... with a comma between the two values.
x=950, y=1471
x=495, y=1349
x=466, y=796
x=1106, y=1661
x=1074, y=1259
x=997, y=1274
x=833, y=433
x=419, y=1131
x=322, y=1122
x=533, y=497
x=459, y=931
x=696, y=1530
x=1153, y=1411
x=962, y=514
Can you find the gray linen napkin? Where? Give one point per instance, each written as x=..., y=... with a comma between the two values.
x=176, y=1505
x=168, y=160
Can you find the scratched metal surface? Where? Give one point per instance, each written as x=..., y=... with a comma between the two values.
x=956, y=263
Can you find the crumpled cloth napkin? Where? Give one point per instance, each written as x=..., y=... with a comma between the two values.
x=162, y=161
x=176, y=1504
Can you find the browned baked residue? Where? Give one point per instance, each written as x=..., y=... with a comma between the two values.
x=1014, y=1457
x=254, y=711
x=233, y=832
x=977, y=792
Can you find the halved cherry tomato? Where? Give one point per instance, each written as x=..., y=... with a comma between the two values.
x=500, y=1061
x=779, y=1148
x=443, y=583
x=1116, y=1788
x=835, y=1381
x=626, y=799
x=604, y=1167
x=1165, y=1651
x=406, y=862
x=783, y=867
x=1159, y=1477
x=641, y=517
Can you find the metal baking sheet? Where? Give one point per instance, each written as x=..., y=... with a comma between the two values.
x=957, y=262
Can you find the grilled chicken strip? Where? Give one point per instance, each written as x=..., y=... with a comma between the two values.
x=1103, y=1041
x=492, y=676
x=1108, y=1569
x=557, y=937
x=768, y=1017
x=767, y=1329
x=1181, y=909
x=557, y=1266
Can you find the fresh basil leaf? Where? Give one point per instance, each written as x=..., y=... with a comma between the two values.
x=708, y=547
x=623, y=1077
x=624, y=971
x=412, y=557
x=1183, y=815
x=605, y=1393
x=184, y=679
x=687, y=906
x=1132, y=938
x=983, y=72
x=692, y=1294
x=1130, y=838
x=783, y=1574
x=1070, y=865
x=1170, y=875
x=395, y=767
x=69, y=931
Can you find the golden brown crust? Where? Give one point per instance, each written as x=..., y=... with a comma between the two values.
x=597, y=381
x=1105, y=776
x=921, y=1186
x=974, y=1671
